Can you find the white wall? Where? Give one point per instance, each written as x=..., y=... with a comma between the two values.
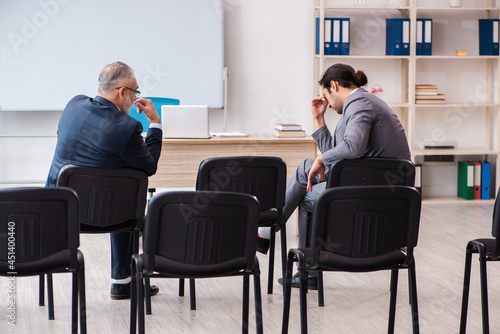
x=268, y=52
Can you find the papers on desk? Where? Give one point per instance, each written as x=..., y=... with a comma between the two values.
x=230, y=134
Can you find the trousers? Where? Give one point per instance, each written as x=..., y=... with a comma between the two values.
x=297, y=196
x=121, y=254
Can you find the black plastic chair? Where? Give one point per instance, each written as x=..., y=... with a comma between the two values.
x=366, y=172
x=195, y=234
x=360, y=229
x=371, y=172
x=111, y=200
x=263, y=177
x=39, y=231
x=488, y=249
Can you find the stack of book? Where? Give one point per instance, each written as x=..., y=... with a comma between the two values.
x=428, y=94
x=287, y=130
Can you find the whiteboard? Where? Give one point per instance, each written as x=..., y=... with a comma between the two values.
x=52, y=50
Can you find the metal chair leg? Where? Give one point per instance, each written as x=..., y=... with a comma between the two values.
x=303, y=299
x=392, y=305
x=181, y=287
x=74, y=304
x=414, y=304
x=192, y=294
x=50, y=296
x=140, y=300
x=147, y=294
x=246, y=302
x=270, y=273
x=133, y=298
x=41, y=290
x=465, y=291
x=258, y=298
x=287, y=292
x=284, y=250
x=81, y=293
x=484, y=290
x=321, y=293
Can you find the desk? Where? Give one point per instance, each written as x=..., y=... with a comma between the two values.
x=180, y=158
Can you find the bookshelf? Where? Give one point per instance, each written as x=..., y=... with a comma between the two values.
x=470, y=117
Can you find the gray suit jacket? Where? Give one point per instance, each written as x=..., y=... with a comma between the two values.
x=367, y=128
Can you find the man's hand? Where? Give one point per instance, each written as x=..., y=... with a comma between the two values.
x=146, y=106
x=317, y=168
x=318, y=109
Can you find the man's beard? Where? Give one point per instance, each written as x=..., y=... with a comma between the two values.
x=128, y=108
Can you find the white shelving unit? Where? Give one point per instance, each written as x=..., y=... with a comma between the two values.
x=471, y=115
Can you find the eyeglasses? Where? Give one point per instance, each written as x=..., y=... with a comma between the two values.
x=137, y=93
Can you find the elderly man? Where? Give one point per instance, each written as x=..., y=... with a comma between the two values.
x=98, y=132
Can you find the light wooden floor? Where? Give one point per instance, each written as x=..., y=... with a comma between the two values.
x=355, y=303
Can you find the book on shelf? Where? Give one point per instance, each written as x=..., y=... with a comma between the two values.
x=288, y=133
x=425, y=88
x=430, y=97
x=288, y=126
x=418, y=93
x=428, y=94
x=430, y=102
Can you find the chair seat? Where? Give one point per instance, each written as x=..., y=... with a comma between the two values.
x=59, y=261
x=489, y=245
x=177, y=269
x=335, y=262
x=128, y=226
x=268, y=217
x=338, y=262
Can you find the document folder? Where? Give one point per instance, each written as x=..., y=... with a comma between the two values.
x=485, y=180
x=336, y=36
x=346, y=23
x=397, y=37
x=427, y=37
x=424, y=37
x=488, y=37
x=420, y=37
x=317, y=35
x=465, y=184
x=328, y=36
x=477, y=180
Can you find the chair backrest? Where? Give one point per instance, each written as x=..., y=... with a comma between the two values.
x=371, y=171
x=198, y=233
x=107, y=196
x=36, y=223
x=495, y=227
x=366, y=221
x=263, y=177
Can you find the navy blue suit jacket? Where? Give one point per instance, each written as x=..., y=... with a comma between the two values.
x=95, y=133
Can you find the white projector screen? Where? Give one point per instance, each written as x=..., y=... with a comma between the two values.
x=52, y=50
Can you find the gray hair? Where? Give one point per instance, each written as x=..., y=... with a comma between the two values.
x=113, y=73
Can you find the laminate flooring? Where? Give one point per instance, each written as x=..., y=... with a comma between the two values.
x=354, y=302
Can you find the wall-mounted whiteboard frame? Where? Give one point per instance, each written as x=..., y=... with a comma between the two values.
x=52, y=50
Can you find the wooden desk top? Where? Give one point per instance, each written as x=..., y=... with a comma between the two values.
x=253, y=138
